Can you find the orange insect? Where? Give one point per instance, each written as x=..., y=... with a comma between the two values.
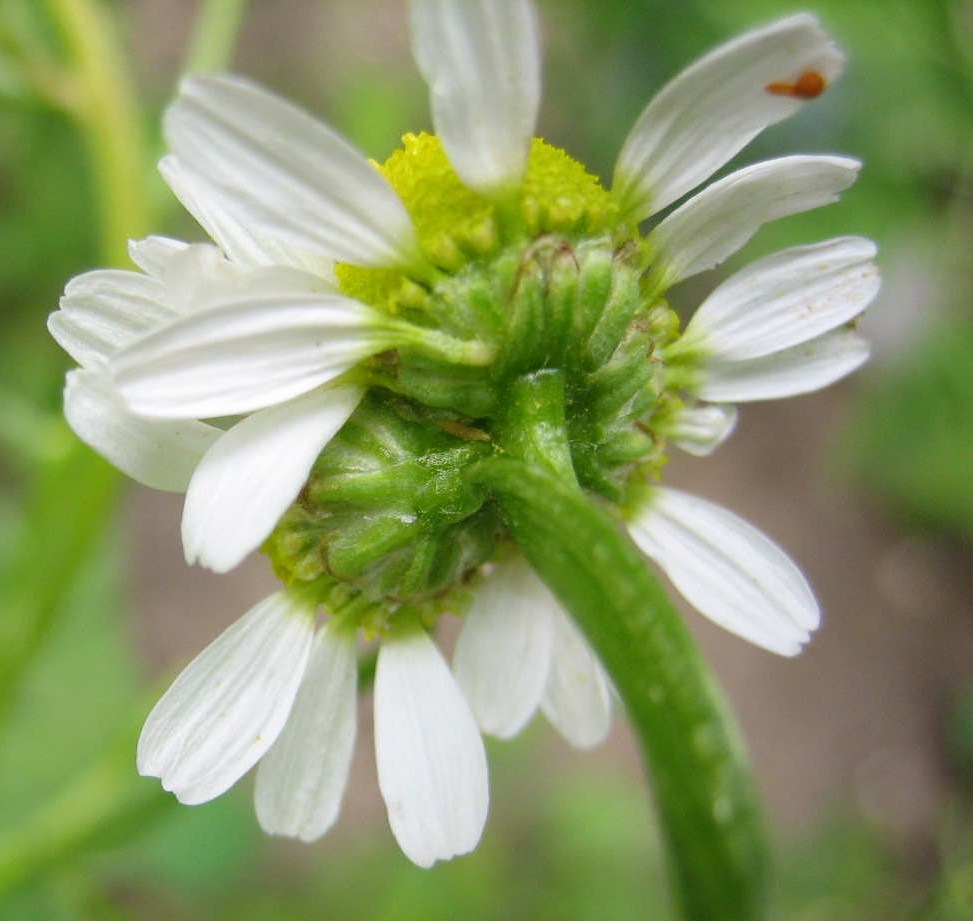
x=807, y=86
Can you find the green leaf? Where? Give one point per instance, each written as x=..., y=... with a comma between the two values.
x=67, y=513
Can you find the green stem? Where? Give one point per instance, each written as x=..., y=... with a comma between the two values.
x=214, y=35
x=74, y=492
x=704, y=790
x=73, y=495
x=534, y=428
x=106, y=109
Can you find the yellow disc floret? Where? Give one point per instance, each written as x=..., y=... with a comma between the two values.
x=561, y=196
x=457, y=226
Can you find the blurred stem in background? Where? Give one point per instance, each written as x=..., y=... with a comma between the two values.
x=214, y=36
x=72, y=492
x=104, y=105
x=71, y=495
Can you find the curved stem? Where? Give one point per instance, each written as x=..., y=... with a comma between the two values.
x=73, y=494
x=74, y=491
x=106, y=109
x=214, y=35
x=705, y=795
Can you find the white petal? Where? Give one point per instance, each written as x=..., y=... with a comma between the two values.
x=246, y=355
x=103, y=311
x=153, y=254
x=715, y=223
x=700, y=430
x=302, y=779
x=155, y=452
x=481, y=59
x=577, y=699
x=274, y=186
x=254, y=472
x=229, y=704
x=714, y=108
x=727, y=569
x=200, y=277
x=232, y=231
x=432, y=768
x=504, y=651
x=786, y=299
x=800, y=369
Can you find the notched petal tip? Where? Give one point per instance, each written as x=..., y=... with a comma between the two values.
x=432, y=768
x=728, y=570
x=227, y=707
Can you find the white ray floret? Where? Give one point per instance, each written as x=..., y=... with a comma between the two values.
x=711, y=110
x=226, y=708
x=431, y=763
x=577, y=696
x=700, y=430
x=254, y=472
x=785, y=299
x=503, y=653
x=800, y=369
x=482, y=62
x=159, y=453
x=105, y=310
x=301, y=780
x=247, y=354
x=272, y=185
x=716, y=222
x=727, y=569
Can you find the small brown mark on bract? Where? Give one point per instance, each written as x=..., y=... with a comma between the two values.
x=469, y=432
x=808, y=85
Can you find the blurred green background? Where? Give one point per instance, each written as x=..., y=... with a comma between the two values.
x=863, y=746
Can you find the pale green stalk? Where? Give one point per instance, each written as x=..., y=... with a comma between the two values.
x=106, y=109
x=214, y=37
x=73, y=495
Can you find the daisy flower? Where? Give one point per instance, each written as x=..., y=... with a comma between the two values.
x=321, y=378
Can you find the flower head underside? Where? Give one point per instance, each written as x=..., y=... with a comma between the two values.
x=323, y=379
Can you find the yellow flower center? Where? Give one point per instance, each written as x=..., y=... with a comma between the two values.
x=456, y=225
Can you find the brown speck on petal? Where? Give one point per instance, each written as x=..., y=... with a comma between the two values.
x=808, y=85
